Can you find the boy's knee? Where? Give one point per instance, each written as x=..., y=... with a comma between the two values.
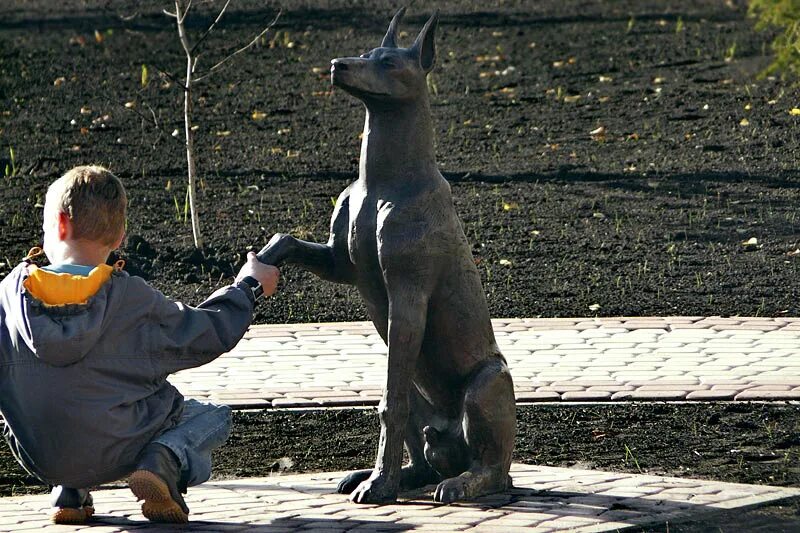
x=213, y=418
x=227, y=418
x=227, y=413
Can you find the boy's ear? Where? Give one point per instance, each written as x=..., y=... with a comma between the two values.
x=64, y=227
x=424, y=45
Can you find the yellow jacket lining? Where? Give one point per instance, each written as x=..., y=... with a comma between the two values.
x=60, y=288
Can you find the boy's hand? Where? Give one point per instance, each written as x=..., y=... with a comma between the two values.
x=267, y=275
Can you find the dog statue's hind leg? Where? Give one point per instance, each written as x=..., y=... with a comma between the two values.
x=418, y=472
x=489, y=429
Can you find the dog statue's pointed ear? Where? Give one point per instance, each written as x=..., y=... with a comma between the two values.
x=390, y=39
x=424, y=44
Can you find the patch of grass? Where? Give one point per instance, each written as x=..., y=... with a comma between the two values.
x=730, y=53
x=783, y=15
x=181, y=213
x=177, y=208
x=629, y=455
x=11, y=166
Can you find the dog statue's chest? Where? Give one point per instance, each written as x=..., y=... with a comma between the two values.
x=362, y=235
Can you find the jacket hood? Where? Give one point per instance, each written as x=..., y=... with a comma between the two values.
x=60, y=316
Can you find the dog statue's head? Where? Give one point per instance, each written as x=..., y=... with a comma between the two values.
x=389, y=73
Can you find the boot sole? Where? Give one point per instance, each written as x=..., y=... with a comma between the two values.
x=158, y=505
x=71, y=515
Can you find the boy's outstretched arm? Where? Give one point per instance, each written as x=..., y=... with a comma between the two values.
x=184, y=337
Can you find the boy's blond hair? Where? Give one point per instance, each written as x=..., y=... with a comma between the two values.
x=95, y=201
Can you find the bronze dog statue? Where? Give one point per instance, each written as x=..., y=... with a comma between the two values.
x=395, y=235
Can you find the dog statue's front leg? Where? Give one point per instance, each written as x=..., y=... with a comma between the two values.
x=407, y=315
x=314, y=257
x=329, y=261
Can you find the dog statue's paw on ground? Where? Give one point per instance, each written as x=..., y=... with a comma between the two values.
x=476, y=482
x=451, y=490
x=375, y=490
x=351, y=481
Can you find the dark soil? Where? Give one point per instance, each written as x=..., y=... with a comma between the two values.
x=648, y=218
x=735, y=442
x=758, y=443
x=746, y=443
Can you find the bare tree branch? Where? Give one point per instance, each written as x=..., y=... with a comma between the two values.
x=191, y=190
x=185, y=11
x=128, y=18
x=240, y=50
x=142, y=116
x=166, y=73
x=167, y=13
x=155, y=120
x=158, y=128
x=116, y=102
x=182, y=31
x=191, y=64
x=203, y=37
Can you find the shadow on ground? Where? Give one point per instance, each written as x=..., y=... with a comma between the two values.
x=521, y=507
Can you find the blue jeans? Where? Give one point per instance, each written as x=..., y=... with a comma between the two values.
x=203, y=428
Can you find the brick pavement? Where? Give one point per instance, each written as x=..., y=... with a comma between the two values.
x=569, y=360
x=545, y=499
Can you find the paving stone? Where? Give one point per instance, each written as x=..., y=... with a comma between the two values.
x=585, y=382
x=748, y=395
x=586, y=396
x=289, y=403
x=789, y=381
x=750, y=327
x=678, y=382
x=718, y=321
x=712, y=395
x=326, y=393
x=689, y=327
x=346, y=401
x=775, y=388
x=719, y=381
x=538, y=397
x=255, y=403
x=610, y=388
x=559, y=375
x=636, y=395
x=655, y=386
x=560, y=389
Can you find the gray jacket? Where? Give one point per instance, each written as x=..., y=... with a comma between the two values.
x=83, y=388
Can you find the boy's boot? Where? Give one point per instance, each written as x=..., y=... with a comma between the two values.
x=156, y=481
x=70, y=506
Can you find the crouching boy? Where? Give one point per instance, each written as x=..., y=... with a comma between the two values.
x=85, y=351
